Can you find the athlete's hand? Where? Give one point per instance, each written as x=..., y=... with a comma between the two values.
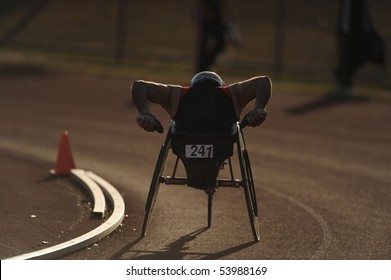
x=256, y=116
x=149, y=122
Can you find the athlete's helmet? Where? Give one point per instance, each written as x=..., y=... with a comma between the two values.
x=207, y=76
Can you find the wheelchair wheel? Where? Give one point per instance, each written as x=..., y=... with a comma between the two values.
x=210, y=200
x=155, y=183
x=251, y=199
x=210, y=194
x=248, y=185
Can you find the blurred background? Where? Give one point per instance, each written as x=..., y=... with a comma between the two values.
x=153, y=39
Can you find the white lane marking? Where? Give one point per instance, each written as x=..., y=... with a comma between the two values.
x=327, y=235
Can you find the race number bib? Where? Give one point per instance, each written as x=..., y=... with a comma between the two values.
x=199, y=151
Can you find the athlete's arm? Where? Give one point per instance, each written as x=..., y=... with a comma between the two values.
x=258, y=88
x=144, y=92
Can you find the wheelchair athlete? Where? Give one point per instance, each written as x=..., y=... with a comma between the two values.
x=207, y=94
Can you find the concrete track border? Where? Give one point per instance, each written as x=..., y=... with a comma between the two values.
x=96, y=234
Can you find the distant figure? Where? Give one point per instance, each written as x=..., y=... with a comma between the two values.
x=358, y=43
x=213, y=32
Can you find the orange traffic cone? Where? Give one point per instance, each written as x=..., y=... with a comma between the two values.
x=65, y=160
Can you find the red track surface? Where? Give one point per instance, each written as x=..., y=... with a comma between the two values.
x=321, y=168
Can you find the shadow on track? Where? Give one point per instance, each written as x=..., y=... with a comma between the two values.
x=176, y=250
x=325, y=101
x=13, y=70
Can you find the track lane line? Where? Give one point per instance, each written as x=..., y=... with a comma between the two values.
x=327, y=235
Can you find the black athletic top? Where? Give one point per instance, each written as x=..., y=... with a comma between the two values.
x=205, y=109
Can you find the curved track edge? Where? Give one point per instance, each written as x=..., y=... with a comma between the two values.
x=115, y=219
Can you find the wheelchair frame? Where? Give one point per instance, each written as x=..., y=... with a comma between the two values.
x=246, y=181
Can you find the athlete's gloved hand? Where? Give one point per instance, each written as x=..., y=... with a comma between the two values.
x=149, y=122
x=254, y=118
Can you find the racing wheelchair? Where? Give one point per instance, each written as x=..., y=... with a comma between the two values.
x=203, y=154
